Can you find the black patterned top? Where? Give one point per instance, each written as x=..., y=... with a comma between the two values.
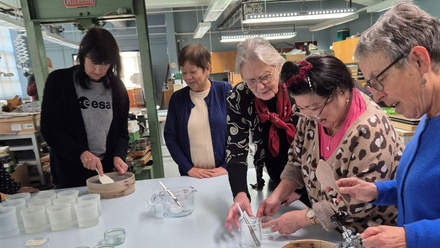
x=7, y=183
x=242, y=121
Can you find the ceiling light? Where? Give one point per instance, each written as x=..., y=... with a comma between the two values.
x=18, y=25
x=382, y=6
x=11, y=23
x=334, y=22
x=215, y=9
x=60, y=40
x=276, y=36
x=201, y=29
x=297, y=16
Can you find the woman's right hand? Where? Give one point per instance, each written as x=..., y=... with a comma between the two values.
x=234, y=214
x=269, y=206
x=91, y=162
x=357, y=189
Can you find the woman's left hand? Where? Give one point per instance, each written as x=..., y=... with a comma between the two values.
x=289, y=222
x=219, y=171
x=120, y=165
x=384, y=237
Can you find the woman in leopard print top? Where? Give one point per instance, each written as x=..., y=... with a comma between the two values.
x=344, y=127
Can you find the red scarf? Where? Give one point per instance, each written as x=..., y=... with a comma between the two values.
x=278, y=119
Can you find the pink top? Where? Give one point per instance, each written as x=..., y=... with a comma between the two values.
x=328, y=143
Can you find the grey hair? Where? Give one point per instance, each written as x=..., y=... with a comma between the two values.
x=257, y=48
x=401, y=28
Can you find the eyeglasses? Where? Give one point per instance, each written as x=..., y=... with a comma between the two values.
x=374, y=83
x=264, y=79
x=311, y=116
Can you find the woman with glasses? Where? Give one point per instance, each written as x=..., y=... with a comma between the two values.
x=259, y=113
x=400, y=58
x=346, y=129
x=195, y=129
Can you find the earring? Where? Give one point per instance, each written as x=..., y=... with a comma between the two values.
x=423, y=82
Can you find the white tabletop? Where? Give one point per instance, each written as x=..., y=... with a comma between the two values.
x=203, y=228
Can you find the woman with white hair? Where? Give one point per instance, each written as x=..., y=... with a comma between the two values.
x=259, y=107
x=400, y=58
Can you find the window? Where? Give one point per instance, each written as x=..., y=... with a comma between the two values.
x=9, y=86
x=131, y=69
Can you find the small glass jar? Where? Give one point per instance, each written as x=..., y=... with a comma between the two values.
x=114, y=236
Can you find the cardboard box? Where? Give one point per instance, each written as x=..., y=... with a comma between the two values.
x=21, y=175
x=19, y=123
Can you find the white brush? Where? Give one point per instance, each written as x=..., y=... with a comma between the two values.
x=251, y=230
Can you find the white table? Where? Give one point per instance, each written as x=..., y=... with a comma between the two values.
x=203, y=228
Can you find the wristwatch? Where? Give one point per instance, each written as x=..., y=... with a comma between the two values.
x=311, y=215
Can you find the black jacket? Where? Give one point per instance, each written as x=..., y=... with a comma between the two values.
x=63, y=129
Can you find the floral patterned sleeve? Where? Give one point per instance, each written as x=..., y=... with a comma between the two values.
x=237, y=143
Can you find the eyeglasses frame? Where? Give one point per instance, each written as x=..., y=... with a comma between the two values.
x=311, y=116
x=369, y=85
x=257, y=80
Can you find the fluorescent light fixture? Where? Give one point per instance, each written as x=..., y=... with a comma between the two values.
x=276, y=36
x=215, y=9
x=201, y=29
x=334, y=22
x=11, y=23
x=119, y=24
x=297, y=16
x=382, y=6
x=60, y=40
x=18, y=25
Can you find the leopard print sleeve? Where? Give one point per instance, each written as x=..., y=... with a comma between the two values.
x=292, y=170
x=370, y=150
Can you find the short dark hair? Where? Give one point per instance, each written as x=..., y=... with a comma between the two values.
x=195, y=54
x=328, y=73
x=100, y=46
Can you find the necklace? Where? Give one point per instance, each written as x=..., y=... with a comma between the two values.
x=332, y=133
x=329, y=141
x=328, y=144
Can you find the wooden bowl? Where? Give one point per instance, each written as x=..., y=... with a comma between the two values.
x=123, y=185
x=309, y=243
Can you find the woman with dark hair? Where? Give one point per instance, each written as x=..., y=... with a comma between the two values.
x=195, y=129
x=345, y=128
x=84, y=113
